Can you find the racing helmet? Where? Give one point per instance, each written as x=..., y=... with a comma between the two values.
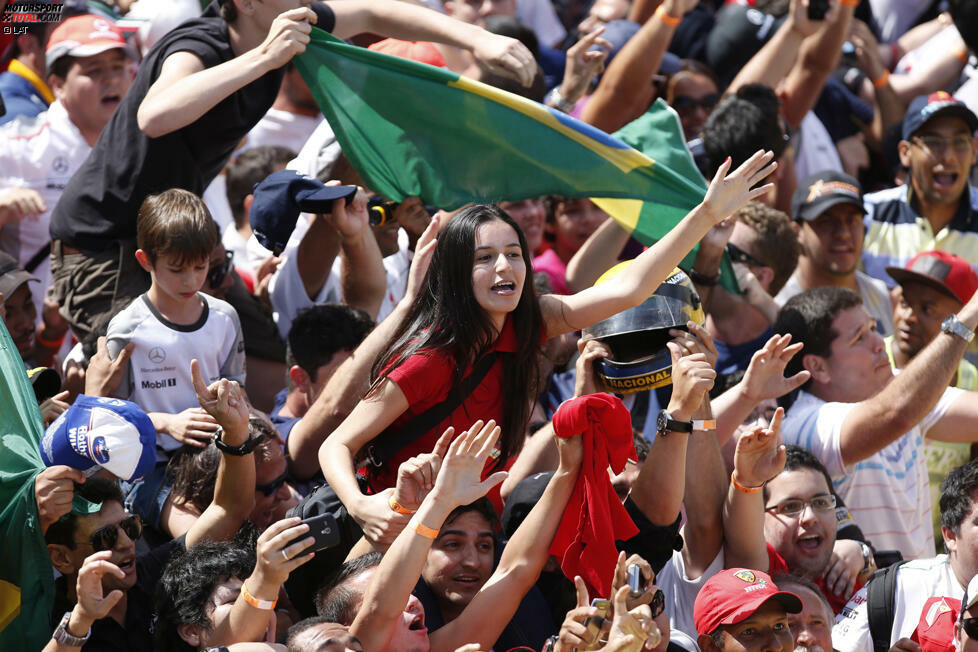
x=637, y=337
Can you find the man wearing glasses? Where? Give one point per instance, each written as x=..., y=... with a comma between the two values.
x=916, y=606
x=937, y=208
x=800, y=530
x=827, y=208
x=866, y=424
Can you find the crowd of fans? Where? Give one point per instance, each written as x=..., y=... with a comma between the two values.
x=281, y=411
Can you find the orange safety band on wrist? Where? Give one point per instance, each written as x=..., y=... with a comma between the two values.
x=882, y=80
x=849, y=3
x=423, y=530
x=398, y=507
x=962, y=55
x=741, y=488
x=266, y=605
x=671, y=21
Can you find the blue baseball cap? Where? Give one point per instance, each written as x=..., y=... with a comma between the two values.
x=107, y=432
x=281, y=196
x=923, y=108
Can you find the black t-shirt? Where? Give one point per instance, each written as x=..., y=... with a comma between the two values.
x=101, y=201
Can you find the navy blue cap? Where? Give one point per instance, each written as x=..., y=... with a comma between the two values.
x=925, y=107
x=281, y=196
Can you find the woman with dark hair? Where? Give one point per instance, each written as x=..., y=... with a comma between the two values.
x=476, y=319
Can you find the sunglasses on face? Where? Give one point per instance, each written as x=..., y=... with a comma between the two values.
x=687, y=104
x=270, y=488
x=215, y=275
x=970, y=627
x=738, y=255
x=106, y=538
x=795, y=506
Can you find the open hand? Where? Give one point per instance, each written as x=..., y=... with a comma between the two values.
x=764, y=378
x=729, y=191
x=460, y=478
x=583, y=63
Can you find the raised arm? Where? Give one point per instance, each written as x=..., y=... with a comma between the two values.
x=185, y=90
x=234, y=490
x=364, y=279
x=818, y=57
x=907, y=399
x=350, y=382
x=773, y=61
x=726, y=194
x=760, y=456
x=402, y=20
x=485, y=617
x=457, y=471
x=626, y=89
x=598, y=254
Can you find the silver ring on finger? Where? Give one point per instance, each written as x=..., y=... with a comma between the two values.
x=285, y=555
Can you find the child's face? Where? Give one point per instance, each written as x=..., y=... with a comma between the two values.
x=177, y=280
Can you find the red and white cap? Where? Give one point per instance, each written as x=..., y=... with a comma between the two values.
x=83, y=36
x=733, y=595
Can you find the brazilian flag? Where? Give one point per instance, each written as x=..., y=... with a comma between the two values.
x=411, y=129
x=26, y=576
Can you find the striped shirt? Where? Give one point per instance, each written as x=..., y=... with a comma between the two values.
x=895, y=233
x=887, y=492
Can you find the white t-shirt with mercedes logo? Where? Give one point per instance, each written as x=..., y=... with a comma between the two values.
x=158, y=375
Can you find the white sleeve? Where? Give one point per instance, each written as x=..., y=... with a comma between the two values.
x=288, y=294
x=944, y=403
x=851, y=630
x=233, y=367
x=819, y=430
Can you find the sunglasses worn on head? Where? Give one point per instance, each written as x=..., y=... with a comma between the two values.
x=271, y=487
x=215, y=275
x=105, y=538
x=970, y=627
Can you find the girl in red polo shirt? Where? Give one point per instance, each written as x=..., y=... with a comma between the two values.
x=474, y=302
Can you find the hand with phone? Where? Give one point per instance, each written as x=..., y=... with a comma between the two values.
x=581, y=626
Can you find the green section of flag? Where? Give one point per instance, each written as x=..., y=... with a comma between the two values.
x=411, y=129
x=658, y=134
x=26, y=577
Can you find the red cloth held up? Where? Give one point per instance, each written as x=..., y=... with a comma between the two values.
x=594, y=518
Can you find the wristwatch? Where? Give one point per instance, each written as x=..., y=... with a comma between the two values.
x=869, y=564
x=557, y=101
x=665, y=423
x=62, y=637
x=953, y=326
x=237, y=451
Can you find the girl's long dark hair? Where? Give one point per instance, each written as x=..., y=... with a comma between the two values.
x=448, y=319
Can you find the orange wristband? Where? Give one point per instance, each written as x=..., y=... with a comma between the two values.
x=882, y=80
x=56, y=344
x=670, y=21
x=962, y=55
x=423, y=530
x=265, y=605
x=849, y=3
x=398, y=507
x=741, y=488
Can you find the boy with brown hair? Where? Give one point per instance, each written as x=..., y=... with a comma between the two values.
x=173, y=323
